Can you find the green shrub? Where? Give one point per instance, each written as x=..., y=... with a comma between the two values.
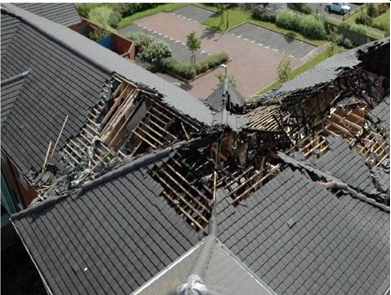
x=380, y=26
x=372, y=10
x=344, y=25
x=308, y=25
x=185, y=71
x=174, y=66
x=300, y=7
x=263, y=15
x=101, y=17
x=84, y=8
x=339, y=39
x=348, y=43
x=114, y=19
x=364, y=19
x=132, y=8
x=358, y=29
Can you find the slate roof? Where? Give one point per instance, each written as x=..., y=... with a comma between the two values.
x=111, y=239
x=215, y=100
x=225, y=274
x=60, y=83
x=382, y=113
x=300, y=239
x=9, y=93
x=61, y=13
x=347, y=165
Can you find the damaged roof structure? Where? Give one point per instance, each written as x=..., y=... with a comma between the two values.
x=142, y=189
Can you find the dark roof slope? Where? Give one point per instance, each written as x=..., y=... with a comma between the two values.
x=61, y=82
x=215, y=100
x=9, y=93
x=300, y=239
x=225, y=274
x=61, y=13
x=110, y=240
x=9, y=26
x=345, y=164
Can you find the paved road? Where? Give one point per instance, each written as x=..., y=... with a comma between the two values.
x=179, y=49
x=272, y=40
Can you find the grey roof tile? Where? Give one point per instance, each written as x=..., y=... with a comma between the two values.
x=62, y=13
x=319, y=243
x=121, y=237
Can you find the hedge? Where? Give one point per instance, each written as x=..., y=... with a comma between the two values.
x=185, y=71
x=308, y=25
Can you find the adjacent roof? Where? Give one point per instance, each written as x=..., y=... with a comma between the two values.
x=225, y=274
x=215, y=100
x=61, y=13
x=300, y=239
x=111, y=239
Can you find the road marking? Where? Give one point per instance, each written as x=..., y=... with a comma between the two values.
x=260, y=44
x=246, y=39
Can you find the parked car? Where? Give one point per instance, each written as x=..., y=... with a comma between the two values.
x=341, y=8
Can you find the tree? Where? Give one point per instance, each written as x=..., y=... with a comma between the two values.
x=223, y=7
x=222, y=78
x=284, y=68
x=193, y=43
x=149, y=48
x=100, y=16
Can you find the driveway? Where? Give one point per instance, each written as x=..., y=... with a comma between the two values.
x=270, y=39
x=179, y=49
x=253, y=66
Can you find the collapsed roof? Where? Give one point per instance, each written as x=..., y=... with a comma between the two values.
x=291, y=191
x=64, y=66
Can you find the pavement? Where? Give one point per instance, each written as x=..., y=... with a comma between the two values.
x=194, y=13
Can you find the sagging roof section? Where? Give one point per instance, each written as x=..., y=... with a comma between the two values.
x=225, y=96
x=62, y=13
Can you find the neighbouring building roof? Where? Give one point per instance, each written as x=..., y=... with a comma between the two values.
x=215, y=100
x=68, y=76
x=116, y=235
x=300, y=239
x=61, y=13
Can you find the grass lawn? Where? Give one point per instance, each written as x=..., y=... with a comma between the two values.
x=164, y=7
x=299, y=70
x=237, y=17
x=383, y=19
